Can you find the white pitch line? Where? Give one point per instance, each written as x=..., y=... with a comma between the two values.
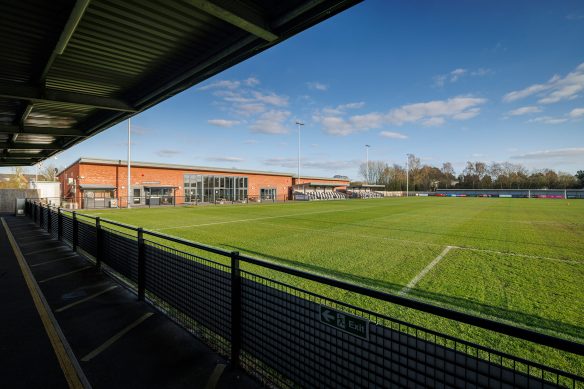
x=324, y=231
x=425, y=271
x=257, y=218
x=520, y=255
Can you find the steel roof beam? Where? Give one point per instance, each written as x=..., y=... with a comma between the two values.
x=17, y=155
x=238, y=16
x=13, y=129
x=19, y=91
x=66, y=34
x=18, y=162
x=29, y=146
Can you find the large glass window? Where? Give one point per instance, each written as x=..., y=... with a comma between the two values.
x=207, y=188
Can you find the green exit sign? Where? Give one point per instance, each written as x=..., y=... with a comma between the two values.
x=351, y=324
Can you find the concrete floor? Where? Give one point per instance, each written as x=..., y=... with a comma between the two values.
x=116, y=340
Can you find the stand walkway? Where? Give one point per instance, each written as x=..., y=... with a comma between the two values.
x=66, y=324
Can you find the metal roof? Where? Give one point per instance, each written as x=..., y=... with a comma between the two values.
x=124, y=163
x=71, y=69
x=319, y=184
x=97, y=186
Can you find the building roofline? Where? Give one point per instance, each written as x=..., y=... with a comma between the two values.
x=121, y=162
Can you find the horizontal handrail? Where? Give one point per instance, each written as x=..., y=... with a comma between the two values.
x=447, y=313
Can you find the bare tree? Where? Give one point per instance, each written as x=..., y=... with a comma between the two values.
x=48, y=172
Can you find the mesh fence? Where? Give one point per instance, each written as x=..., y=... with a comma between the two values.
x=291, y=337
x=45, y=218
x=193, y=290
x=87, y=238
x=120, y=253
x=54, y=224
x=67, y=226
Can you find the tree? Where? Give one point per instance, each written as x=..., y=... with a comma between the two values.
x=413, y=167
x=448, y=175
x=48, y=172
x=580, y=176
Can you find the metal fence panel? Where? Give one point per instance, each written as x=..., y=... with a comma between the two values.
x=67, y=228
x=54, y=224
x=291, y=337
x=284, y=340
x=194, y=290
x=45, y=218
x=120, y=253
x=87, y=238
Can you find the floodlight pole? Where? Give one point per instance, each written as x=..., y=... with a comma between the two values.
x=367, y=163
x=129, y=156
x=298, y=124
x=407, y=175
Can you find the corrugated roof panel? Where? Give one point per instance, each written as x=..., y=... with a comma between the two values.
x=123, y=57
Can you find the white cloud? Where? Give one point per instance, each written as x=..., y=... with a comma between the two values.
x=432, y=113
x=328, y=165
x=393, y=135
x=316, y=86
x=223, y=122
x=250, y=141
x=459, y=108
x=251, y=81
x=225, y=159
x=548, y=120
x=342, y=108
x=167, y=153
x=554, y=90
x=576, y=113
x=480, y=72
x=222, y=84
x=271, y=122
x=574, y=152
x=249, y=109
x=524, y=110
x=456, y=74
x=272, y=98
x=356, y=105
x=575, y=16
x=439, y=80
x=435, y=121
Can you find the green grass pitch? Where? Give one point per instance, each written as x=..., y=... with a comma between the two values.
x=516, y=260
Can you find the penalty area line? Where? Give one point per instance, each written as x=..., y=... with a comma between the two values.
x=425, y=270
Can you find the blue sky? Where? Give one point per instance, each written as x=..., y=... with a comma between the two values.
x=445, y=80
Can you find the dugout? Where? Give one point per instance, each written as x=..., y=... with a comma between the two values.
x=318, y=191
x=365, y=191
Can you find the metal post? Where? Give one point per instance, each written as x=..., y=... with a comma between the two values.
x=75, y=231
x=141, y=265
x=235, y=309
x=59, y=224
x=98, y=242
x=129, y=156
x=408, y=176
x=298, y=124
x=49, y=227
x=41, y=217
x=367, y=162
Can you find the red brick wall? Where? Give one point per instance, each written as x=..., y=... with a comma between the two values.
x=116, y=175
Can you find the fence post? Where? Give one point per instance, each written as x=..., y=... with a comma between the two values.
x=59, y=224
x=141, y=265
x=49, y=217
x=75, y=231
x=235, y=309
x=41, y=216
x=98, y=243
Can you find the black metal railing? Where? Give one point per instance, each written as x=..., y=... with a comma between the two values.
x=288, y=336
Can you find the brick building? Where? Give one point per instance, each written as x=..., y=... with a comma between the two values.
x=90, y=183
